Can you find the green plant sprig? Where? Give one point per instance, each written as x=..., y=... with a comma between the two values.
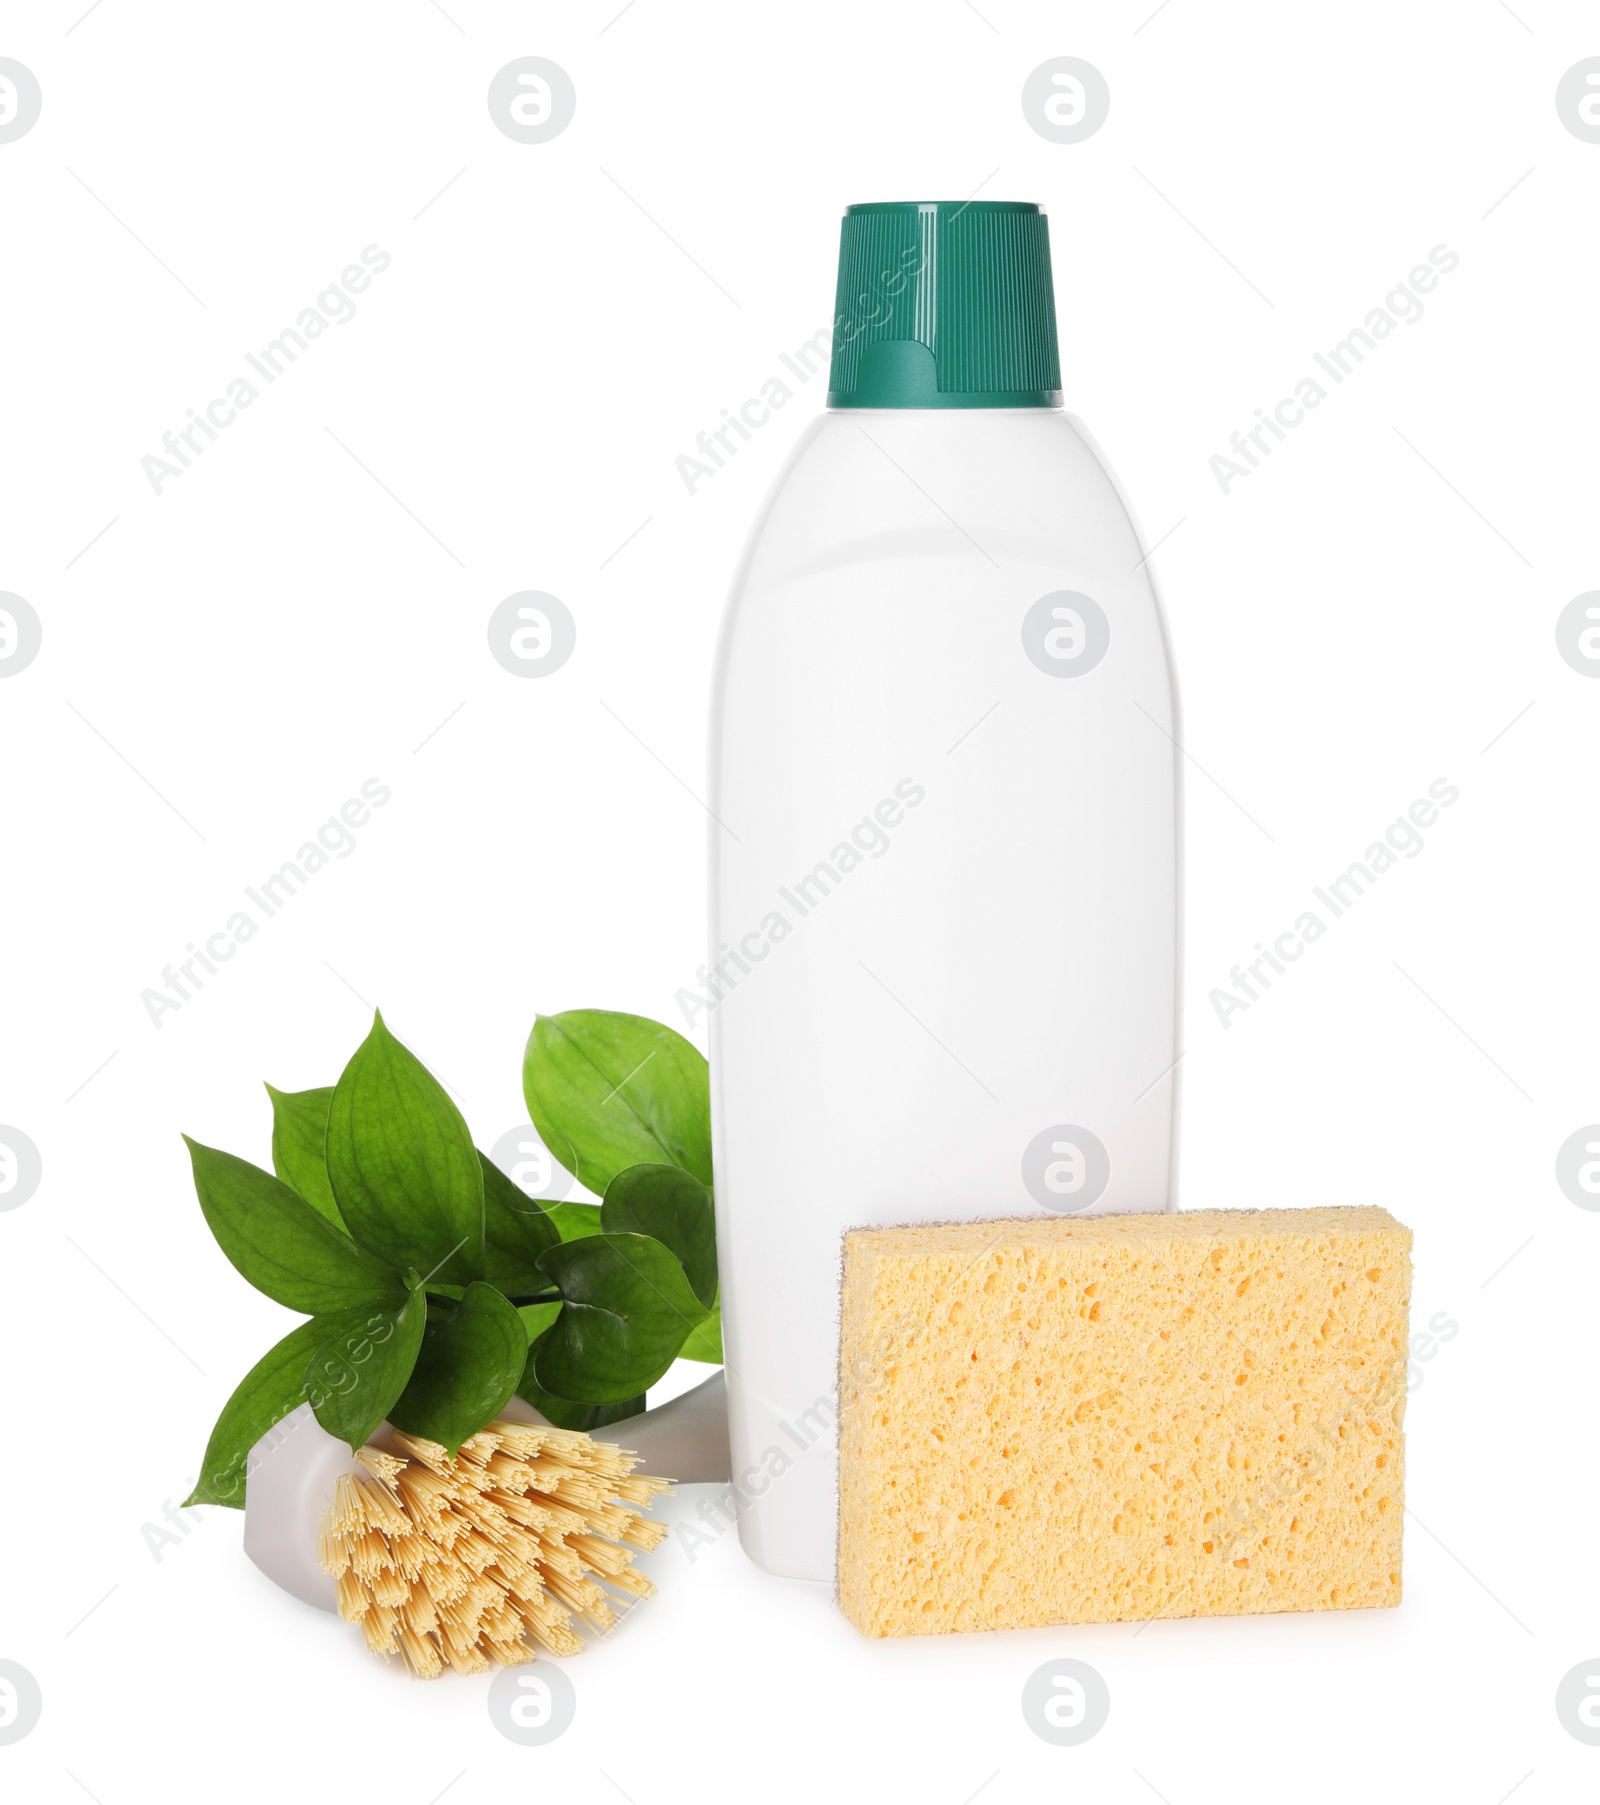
x=435, y=1288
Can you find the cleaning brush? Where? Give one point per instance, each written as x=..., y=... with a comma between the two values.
x=482, y=1560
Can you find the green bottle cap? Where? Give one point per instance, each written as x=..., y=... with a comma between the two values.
x=945, y=304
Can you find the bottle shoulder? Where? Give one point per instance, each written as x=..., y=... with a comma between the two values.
x=989, y=485
x=959, y=440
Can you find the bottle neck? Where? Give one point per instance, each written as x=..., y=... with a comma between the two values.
x=903, y=373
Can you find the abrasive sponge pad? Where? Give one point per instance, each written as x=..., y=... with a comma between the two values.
x=1121, y=1417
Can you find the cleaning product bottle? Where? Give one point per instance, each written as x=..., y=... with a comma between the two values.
x=945, y=834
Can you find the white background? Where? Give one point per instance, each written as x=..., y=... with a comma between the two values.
x=231, y=658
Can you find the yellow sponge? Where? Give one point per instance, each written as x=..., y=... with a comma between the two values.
x=1121, y=1417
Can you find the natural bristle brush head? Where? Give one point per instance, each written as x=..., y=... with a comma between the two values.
x=486, y=1559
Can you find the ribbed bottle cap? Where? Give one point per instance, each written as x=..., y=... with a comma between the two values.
x=945, y=304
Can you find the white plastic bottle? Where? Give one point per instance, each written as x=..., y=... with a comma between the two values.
x=945, y=854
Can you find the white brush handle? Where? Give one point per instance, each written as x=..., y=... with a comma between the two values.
x=295, y=1466
x=685, y=1439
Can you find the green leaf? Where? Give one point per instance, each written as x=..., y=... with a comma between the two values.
x=516, y=1232
x=299, y=1146
x=574, y=1220
x=562, y=1411
x=626, y=1310
x=674, y=1207
x=361, y=1364
x=536, y=1318
x=264, y=1396
x=404, y=1171
x=705, y=1340
x=470, y=1364
x=607, y=1091
x=279, y=1243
